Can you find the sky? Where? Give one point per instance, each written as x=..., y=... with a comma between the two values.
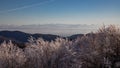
x=26, y=12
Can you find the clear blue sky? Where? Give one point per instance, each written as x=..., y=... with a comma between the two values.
x=25, y=12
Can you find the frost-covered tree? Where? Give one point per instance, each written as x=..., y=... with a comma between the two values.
x=101, y=50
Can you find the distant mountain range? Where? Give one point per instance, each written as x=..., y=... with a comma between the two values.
x=55, y=29
x=22, y=37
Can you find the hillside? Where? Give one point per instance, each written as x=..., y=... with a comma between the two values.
x=22, y=37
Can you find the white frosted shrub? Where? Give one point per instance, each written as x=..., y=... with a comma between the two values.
x=101, y=51
x=11, y=56
x=55, y=54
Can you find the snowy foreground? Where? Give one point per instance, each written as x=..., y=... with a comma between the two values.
x=98, y=50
